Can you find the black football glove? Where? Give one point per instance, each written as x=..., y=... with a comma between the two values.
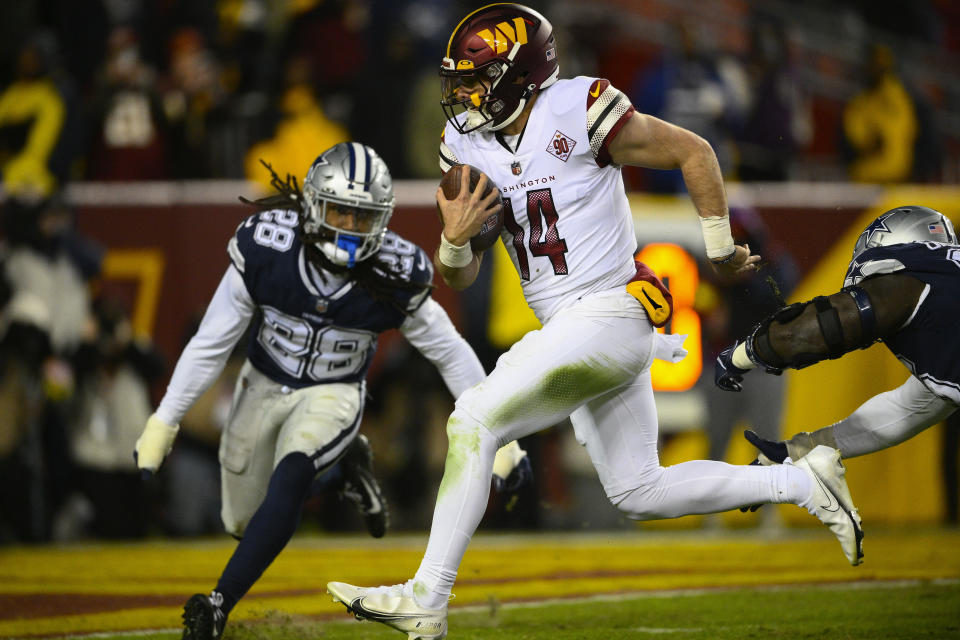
x=519, y=477
x=726, y=375
x=774, y=451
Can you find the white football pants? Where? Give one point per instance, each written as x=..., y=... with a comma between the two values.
x=267, y=422
x=591, y=362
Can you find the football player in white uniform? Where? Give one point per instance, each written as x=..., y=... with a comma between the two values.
x=554, y=147
x=900, y=288
x=320, y=276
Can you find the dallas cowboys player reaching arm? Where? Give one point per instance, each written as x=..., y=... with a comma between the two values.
x=321, y=276
x=554, y=148
x=900, y=288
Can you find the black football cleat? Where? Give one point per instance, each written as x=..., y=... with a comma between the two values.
x=203, y=618
x=361, y=488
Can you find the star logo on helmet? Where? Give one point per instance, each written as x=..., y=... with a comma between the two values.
x=879, y=226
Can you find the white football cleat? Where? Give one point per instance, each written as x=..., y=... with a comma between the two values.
x=831, y=501
x=393, y=606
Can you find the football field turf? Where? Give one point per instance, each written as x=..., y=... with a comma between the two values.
x=683, y=584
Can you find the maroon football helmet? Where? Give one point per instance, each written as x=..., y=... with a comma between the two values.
x=506, y=49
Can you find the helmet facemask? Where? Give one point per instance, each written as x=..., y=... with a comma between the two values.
x=348, y=198
x=496, y=59
x=482, y=95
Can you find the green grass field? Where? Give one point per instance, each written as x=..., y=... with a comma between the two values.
x=876, y=611
x=642, y=584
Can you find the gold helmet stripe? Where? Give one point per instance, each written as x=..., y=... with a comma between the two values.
x=453, y=35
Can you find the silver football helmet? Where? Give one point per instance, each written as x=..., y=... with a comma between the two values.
x=905, y=224
x=349, y=199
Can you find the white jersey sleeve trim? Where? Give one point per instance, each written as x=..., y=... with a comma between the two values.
x=204, y=357
x=923, y=296
x=431, y=332
x=448, y=158
x=603, y=115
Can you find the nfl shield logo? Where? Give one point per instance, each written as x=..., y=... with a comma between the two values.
x=321, y=305
x=515, y=168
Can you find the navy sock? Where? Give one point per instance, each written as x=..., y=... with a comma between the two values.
x=331, y=479
x=269, y=530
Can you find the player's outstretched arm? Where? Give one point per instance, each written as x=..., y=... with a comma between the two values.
x=646, y=141
x=805, y=333
x=883, y=421
x=892, y=297
x=201, y=362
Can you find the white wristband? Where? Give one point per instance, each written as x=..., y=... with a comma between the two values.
x=717, y=236
x=454, y=256
x=740, y=358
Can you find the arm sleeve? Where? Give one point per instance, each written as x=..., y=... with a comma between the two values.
x=890, y=418
x=206, y=354
x=430, y=330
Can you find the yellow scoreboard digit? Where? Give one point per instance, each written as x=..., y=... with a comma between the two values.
x=678, y=271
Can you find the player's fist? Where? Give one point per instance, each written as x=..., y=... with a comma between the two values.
x=511, y=468
x=727, y=375
x=154, y=444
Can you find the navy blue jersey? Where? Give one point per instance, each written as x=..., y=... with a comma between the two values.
x=928, y=344
x=312, y=326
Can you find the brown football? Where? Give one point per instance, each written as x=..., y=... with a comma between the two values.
x=490, y=231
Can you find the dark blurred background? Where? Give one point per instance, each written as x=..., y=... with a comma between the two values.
x=128, y=128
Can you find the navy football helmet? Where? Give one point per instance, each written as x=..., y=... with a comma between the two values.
x=348, y=201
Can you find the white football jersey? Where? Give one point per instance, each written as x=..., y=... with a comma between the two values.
x=567, y=222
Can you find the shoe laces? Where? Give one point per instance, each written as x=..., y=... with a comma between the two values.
x=402, y=590
x=216, y=599
x=352, y=493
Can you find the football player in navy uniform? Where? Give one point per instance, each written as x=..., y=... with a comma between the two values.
x=900, y=288
x=320, y=276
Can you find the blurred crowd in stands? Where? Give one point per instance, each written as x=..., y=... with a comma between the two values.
x=133, y=90
x=176, y=89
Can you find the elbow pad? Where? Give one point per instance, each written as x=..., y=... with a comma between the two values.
x=762, y=354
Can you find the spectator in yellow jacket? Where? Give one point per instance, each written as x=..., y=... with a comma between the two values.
x=880, y=124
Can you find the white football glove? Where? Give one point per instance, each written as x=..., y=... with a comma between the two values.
x=511, y=468
x=154, y=444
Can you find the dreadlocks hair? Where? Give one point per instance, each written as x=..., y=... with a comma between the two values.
x=380, y=279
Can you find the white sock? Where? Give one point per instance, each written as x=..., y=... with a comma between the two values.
x=799, y=485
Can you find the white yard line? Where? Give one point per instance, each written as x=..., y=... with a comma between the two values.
x=609, y=597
